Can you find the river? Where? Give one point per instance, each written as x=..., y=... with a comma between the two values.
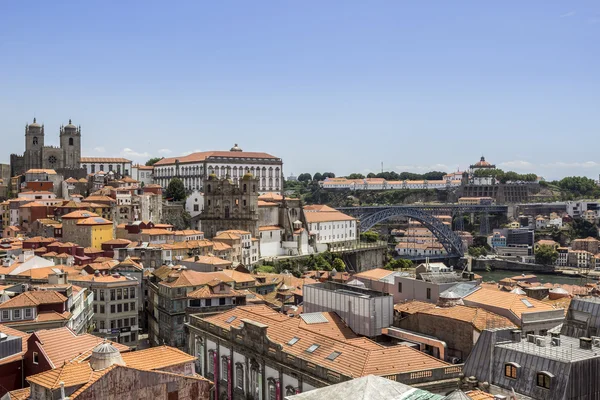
x=498, y=275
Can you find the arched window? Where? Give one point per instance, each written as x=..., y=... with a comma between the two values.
x=224, y=368
x=239, y=376
x=71, y=141
x=245, y=188
x=255, y=381
x=544, y=379
x=210, y=362
x=271, y=389
x=511, y=370
x=253, y=190
x=227, y=211
x=35, y=140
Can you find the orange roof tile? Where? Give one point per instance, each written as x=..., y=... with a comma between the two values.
x=374, y=274
x=201, y=156
x=94, y=221
x=104, y=160
x=510, y=301
x=79, y=214
x=156, y=358
x=34, y=298
x=270, y=228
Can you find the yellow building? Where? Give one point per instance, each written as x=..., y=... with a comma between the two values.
x=95, y=231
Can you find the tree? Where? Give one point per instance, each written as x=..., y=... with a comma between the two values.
x=153, y=161
x=546, y=255
x=477, y=251
x=355, y=176
x=176, y=191
x=339, y=265
x=318, y=177
x=305, y=177
x=369, y=236
x=328, y=175
x=580, y=186
x=398, y=263
x=371, y=175
x=581, y=228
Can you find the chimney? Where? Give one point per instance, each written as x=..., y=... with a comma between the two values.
x=585, y=343
x=515, y=335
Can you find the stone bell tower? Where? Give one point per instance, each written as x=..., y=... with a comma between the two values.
x=34, y=144
x=70, y=143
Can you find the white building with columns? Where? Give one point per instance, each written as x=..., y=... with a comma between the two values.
x=195, y=167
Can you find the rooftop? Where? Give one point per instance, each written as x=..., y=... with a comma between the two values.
x=34, y=299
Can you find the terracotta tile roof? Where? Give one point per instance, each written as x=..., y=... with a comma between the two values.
x=358, y=356
x=202, y=156
x=324, y=215
x=103, y=159
x=34, y=299
x=128, y=262
x=509, y=301
x=374, y=274
x=117, y=241
x=188, y=278
x=227, y=236
x=156, y=358
x=479, y=395
x=92, y=250
x=62, y=344
x=156, y=232
x=41, y=171
x=209, y=260
x=478, y=317
x=208, y=292
x=79, y=214
x=33, y=204
x=94, y=221
x=103, y=265
x=101, y=278
x=270, y=228
x=20, y=394
x=220, y=246
x=270, y=197
x=238, y=277
x=71, y=374
x=94, y=198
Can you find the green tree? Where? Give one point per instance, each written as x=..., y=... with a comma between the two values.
x=175, y=190
x=398, y=263
x=579, y=186
x=318, y=177
x=355, y=176
x=328, y=175
x=369, y=236
x=339, y=265
x=477, y=251
x=153, y=161
x=581, y=229
x=371, y=175
x=546, y=255
x=305, y=177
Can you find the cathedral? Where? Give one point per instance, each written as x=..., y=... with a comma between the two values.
x=37, y=156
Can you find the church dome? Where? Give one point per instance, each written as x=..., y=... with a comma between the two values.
x=236, y=148
x=70, y=125
x=104, y=355
x=34, y=124
x=247, y=175
x=482, y=163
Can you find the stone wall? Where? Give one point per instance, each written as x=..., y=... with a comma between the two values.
x=482, y=265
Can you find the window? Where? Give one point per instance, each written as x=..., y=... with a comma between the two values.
x=35, y=140
x=312, y=348
x=119, y=323
x=70, y=141
x=95, y=309
x=428, y=293
x=28, y=313
x=224, y=369
x=210, y=362
x=119, y=308
x=544, y=379
x=239, y=376
x=133, y=321
x=112, y=294
x=126, y=307
x=125, y=294
x=5, y=314
x=527, y=303
x=333, y=355
x=207, y=303
x=510, y=370
x=230, y=319
x=272, y=390
x=133, y=336
x=132, y=306
x=293, y=341
x=196, y=207
x=112, y=324
x=102, y=309
x=119, y=294
x=93, y=168
x=399, y=287
x=112, y=308
x=101, y=324
x=101, y=295
x=35, y=358
x=16, y=314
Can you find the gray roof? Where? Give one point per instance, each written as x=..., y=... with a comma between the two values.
x=390, y=278
x=440, y=277
x=313, y=318
x=583, y=318
x=368, y=387
x=460, y=289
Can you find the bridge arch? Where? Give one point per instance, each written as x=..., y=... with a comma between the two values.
x=452, y=243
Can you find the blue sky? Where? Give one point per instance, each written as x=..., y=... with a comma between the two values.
x=336, y=86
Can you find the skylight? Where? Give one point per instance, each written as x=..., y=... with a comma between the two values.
x=230, y=319
x=333, y=355
x=527, y=303
x=293, y=341
x=312, y=348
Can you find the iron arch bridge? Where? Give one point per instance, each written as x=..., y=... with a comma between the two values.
x=426, y=214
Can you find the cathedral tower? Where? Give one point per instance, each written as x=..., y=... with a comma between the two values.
x=34, y=144
x=70, y=143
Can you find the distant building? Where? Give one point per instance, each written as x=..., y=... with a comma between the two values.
x=120, y=166
x=195, y=168
x=143, y=174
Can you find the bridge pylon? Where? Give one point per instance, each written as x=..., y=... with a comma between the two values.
x=484, y=224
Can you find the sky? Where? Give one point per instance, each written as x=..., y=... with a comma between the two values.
x=340, y=86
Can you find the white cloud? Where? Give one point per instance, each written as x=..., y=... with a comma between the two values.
x=562, y=164
x=164, y=151
x=99, y=149
x=127, y=152
x=568, y=14
x=516, y=164
x=424, y=168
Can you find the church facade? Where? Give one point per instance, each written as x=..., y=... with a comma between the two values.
x=66, y=157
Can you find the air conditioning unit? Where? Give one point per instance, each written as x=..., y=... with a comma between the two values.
x=540, y=341
x=596, y=341
x=531, y=338
x=556, y=341
x=455, y=360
